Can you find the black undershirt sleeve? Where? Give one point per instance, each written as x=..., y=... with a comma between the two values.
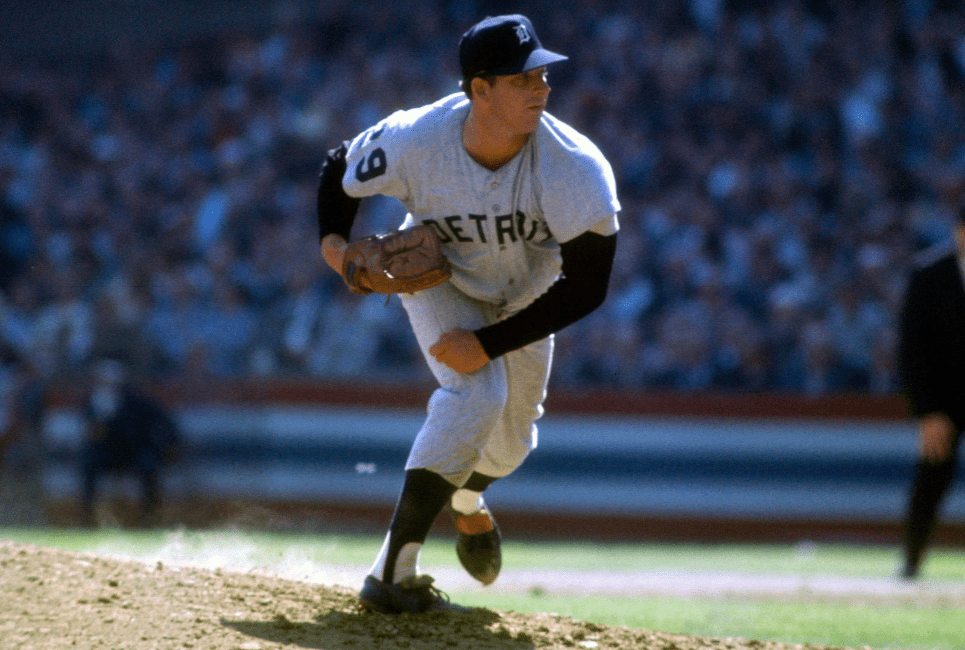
x=581, y=288
x=336, y=209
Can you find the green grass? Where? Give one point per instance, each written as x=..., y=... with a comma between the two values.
x=854, y=626
x=900, y=625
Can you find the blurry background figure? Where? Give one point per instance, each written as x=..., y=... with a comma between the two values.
x=22, y=450
x=127, y=433
x=932, y=362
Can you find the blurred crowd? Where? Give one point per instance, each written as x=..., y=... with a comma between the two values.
x=781, y=167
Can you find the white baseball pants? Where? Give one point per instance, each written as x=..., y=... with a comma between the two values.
x=483, y=421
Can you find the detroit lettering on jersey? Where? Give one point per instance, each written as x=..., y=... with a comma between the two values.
x=500, y=229
x=473, y=228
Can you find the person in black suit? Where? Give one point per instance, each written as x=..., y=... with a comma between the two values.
x=931, y=357
x=128, y=431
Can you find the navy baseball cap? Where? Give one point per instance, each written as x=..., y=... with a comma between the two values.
x=503, y=45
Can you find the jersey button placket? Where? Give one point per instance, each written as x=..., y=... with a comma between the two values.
x=494, y=186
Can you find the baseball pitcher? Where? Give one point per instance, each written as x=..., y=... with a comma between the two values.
x=510, y=236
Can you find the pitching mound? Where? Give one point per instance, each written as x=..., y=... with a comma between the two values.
x=57, y=599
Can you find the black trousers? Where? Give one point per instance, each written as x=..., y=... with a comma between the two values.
x=98, y=462
x=928, y=491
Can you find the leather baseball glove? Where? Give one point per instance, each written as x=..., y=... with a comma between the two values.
x=404, y=261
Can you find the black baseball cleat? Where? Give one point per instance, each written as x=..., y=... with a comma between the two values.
x=478, y=547
x=414, y=594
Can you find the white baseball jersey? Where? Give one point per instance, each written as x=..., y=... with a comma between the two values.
x=500, y=230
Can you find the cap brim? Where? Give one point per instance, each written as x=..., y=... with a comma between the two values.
x=536, y=59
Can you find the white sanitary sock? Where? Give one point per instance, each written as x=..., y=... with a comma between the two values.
x=406, y=563
x=466, y=501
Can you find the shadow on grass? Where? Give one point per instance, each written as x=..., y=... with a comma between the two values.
x=480, y=628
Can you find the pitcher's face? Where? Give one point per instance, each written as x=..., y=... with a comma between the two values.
x=519, y=100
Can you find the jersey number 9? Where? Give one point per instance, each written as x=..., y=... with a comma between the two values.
x=371, y=167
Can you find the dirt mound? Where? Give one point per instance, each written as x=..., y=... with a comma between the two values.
x=57, y=599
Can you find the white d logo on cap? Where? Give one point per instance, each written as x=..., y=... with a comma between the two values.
x=522, y=34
